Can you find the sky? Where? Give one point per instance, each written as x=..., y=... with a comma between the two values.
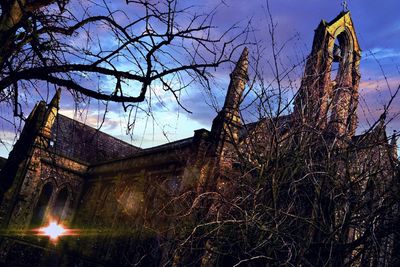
x=378, y=29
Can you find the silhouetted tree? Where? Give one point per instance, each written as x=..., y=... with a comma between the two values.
x=106, y=52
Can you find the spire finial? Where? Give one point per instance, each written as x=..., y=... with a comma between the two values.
x=55, y=102
x=239, y=78
x=242, y=65
x=345, y=6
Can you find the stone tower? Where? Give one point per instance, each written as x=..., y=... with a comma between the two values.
x=24, y=159
x=224, y=135
x=328, y=101
x=227, y=124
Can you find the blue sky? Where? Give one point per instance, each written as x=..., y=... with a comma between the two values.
x=378, y=27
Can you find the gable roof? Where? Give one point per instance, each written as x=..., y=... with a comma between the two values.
x=83, y=143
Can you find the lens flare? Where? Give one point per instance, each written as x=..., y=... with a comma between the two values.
x=53, y=231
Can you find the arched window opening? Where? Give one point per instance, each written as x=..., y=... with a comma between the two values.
x=337, y=57
x=60, y=204
x=340, y=54
x=41, y=206
x=339, y=68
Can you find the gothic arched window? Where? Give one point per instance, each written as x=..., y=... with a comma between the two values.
x=337, y=57
x=339, y=75
x=341, y=57
x=41, y=206
x=59, y=204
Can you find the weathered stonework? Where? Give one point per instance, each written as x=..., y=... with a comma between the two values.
x=126, y=199
x=324, y=101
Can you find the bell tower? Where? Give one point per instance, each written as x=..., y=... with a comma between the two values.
x=328, y=101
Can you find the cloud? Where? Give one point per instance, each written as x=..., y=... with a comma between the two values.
x=377, y=26
x=7, y=140
x=383, y=53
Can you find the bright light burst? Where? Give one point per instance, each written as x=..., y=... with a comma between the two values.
x=53, y=230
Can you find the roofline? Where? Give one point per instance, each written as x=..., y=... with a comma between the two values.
x=98, y=130
x=148, y=151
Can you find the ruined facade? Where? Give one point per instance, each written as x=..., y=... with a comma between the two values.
x=331, y=102
x=121, y=196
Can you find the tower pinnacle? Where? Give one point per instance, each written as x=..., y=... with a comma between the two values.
x=226, y=125
x=55, y=102
x=51, y=114
x=242, y=65
x=239, y=78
